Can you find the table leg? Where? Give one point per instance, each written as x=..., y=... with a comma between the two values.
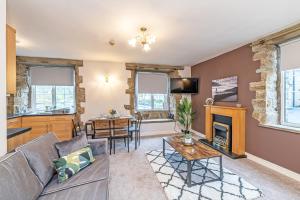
x=221, y=168
x=135, y=135
x=164, y=146
x=189, y=173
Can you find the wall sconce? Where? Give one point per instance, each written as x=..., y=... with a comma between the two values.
x=106, y=79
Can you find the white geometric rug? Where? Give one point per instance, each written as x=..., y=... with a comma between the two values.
x=232, y=187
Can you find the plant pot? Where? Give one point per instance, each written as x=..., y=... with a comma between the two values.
x=188, y=140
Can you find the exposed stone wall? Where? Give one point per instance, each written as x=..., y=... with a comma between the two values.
x=22, y=98
x=265, y=104
x=172, y=71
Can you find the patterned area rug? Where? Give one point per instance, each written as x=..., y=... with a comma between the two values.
x=172, y=167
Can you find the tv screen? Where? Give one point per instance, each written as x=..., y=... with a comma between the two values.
x=184, y=85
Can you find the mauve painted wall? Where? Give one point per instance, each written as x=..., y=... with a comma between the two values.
x=279, y=147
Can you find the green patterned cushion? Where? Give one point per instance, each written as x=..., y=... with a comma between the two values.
x=69, y=165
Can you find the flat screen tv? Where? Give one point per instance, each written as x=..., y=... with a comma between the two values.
x=184, y=85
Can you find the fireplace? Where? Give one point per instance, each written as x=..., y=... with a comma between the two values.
x=225, y=130
x=222, y=135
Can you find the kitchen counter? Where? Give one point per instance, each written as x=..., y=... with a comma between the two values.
x=11, y=116
x=12, y=132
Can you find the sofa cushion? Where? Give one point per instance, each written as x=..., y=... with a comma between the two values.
x=40, y=153
x=98, y=170
x=89, y=191
x=69, y=165
x=17, y=180
x=66, y=147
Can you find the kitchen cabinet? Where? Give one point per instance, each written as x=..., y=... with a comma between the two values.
x=11, y=70
x=61, y=126
x=17, y=140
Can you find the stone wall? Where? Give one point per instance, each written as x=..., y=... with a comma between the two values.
x=266, y=105
x=22, y=99
x=172, y=71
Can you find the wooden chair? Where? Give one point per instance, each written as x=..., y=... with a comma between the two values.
x=101, y=128
x=77, y=130
x=120, y=130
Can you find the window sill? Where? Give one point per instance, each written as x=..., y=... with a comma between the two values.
x=149, y=121
x=281, y=127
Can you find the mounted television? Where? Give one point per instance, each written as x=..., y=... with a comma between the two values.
x=184, y=85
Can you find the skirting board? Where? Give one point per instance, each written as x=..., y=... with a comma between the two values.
x=274, y=167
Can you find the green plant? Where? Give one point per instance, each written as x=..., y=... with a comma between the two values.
x=185, y=114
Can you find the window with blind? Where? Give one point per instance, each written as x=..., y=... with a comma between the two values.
x=52, y=88
x=290, y=83
x=152, y=91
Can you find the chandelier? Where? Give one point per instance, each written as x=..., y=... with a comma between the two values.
x=143, y=39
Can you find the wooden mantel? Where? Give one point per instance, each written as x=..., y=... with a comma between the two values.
x=238, y=125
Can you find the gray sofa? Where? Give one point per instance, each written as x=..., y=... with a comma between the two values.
x=28, y=173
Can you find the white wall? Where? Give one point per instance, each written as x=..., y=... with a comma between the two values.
x=3, y=133
x=101, y=96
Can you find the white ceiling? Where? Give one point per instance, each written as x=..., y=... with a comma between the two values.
x=187, y=31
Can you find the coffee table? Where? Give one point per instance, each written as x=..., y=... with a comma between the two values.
x=195, y=152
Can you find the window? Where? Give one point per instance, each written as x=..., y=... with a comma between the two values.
x=52, y=97
x=291, y=97
x=52, y=88
x=152, y=91
x=290, y=83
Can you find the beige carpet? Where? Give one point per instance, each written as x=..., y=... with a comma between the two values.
x=131, y=176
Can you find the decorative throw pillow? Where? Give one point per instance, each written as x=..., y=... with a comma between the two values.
x=66, y=147
x=71, y=164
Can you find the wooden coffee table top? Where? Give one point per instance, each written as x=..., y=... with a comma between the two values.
x=195, y=152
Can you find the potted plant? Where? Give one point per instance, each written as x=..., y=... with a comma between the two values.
x=112, y=112
x=185, y=117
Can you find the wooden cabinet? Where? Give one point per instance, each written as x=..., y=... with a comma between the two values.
x=61, y=126
x=39, y=126
x=11, y=72
x=16, y=141
x=14, y=123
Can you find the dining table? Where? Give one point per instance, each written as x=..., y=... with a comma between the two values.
x=115, y=118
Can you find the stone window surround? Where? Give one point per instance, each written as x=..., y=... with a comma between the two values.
x=172, y=71
x=80, y=92
x=267, y=102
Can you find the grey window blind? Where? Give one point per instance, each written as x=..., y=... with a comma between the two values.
x=153, y=83
x=47, y=75
x=290, y=55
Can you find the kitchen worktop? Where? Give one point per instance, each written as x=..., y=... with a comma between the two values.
x=12, y=132
x=11, y=116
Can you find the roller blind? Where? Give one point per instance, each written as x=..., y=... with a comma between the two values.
x=153, y=83
x=57, y=76
x=290, y=55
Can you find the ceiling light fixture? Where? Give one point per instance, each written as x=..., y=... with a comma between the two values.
x=144, y=39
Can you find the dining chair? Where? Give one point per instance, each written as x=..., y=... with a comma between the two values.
x=136, y=128
x=77, y=130
x=120, y=130
x=101, y=128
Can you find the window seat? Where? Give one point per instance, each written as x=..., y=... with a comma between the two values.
x=149, y=121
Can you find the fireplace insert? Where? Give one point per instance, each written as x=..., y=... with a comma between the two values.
x=222, y=136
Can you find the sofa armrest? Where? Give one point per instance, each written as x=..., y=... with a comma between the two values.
x=99, y=146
